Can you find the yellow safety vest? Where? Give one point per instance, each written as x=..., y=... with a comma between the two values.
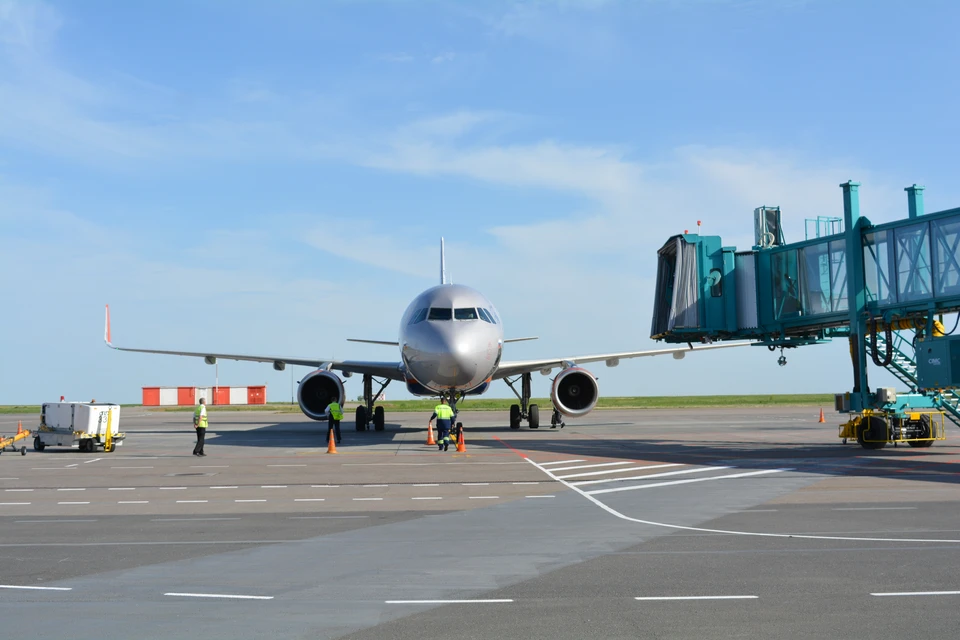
x=443, y=411
x=335, y=411
x=200, y=417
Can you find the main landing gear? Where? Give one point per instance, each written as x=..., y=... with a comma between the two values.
x=524, y=410
x=367, y=411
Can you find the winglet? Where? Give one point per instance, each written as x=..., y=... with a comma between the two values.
x=106, y=329
x=443, y=264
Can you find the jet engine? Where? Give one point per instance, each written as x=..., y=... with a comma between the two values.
x=316, y=391
x=574, y=392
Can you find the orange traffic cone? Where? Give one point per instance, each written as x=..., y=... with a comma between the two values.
x=19, y=427
x=461, y=447
x=821, y=415
x=430, y=440
x=331, y=442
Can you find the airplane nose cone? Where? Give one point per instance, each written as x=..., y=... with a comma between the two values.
x=443, y=359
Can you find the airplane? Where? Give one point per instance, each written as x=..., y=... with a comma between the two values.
x=451, y=342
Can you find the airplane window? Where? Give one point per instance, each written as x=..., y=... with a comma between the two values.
x=439, y=313
x=465, y=314
x=493, y=318
x=419, y=316
x=483, y=315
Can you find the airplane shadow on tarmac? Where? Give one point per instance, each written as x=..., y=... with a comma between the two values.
x=823, y=459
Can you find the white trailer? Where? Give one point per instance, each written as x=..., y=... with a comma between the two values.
x=89, y=425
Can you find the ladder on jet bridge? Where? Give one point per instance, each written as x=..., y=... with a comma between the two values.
x=904, y=368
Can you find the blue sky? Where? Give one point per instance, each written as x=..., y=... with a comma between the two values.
x=275, y=177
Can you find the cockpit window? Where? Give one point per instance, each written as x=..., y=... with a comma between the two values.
x=439, y=313
x=419, y=316
x=484, y=316
x=465, y=314
x=489, y=313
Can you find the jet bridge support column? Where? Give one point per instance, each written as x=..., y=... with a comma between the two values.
x=856, y=294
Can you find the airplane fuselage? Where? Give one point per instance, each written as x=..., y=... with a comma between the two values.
x=451, y=339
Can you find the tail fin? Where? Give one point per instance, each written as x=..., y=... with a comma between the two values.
x=443, y=264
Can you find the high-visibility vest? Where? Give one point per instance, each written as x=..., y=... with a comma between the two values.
x=335, y=411
x=200, y=416
x=443, y=411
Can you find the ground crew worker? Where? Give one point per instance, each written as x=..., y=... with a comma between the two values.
x=200, y=424
x=444, y=414
x=334, y=416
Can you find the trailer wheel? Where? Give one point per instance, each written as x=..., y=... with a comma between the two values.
x=38, y=444
x=872, y=433
x=23, y=451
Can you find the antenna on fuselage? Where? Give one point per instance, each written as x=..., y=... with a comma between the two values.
x=443, y=264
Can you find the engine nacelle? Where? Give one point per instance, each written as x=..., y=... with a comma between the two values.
x=316, y=391
x=574, y=392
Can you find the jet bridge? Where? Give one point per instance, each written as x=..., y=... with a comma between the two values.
x=882, y=287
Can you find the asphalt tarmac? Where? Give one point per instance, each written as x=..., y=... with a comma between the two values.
x=745, y=523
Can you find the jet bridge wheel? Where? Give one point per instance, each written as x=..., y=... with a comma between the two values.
x=872, y=433
x=514, y=416
x=361, y=418
x=533, y=416
x=379, y=421
x=38, y=444
x=925, y=432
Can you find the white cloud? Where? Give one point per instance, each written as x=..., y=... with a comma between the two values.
x=440, y=58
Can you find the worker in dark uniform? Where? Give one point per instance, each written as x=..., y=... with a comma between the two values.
x=444, y=415
x=334, y=416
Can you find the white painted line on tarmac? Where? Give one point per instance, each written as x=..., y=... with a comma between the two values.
x=47, y=468
x=918, y=593
x=69, y=466
x=583, y=483
x=592, y=466
x=133, y=502
x=16, y=586
x=309, y=499
x=544, y=496
x=654, y=598
x=324, y=486
x=9, y=478
x=218, y=595
x=428, y=498
x=621, y=470
x=687, y=481
x=172, y=488
x=286, y=465
x=483, y=497
x=18, y=489
x=73, y=489
x=423, y=484
x=359, y=499
x=210, y=466
x=249, y=500
x=475, y=484
x=524, y=483
x=120, y=489
x=544, y=464
x=191, y=501
x=13, y=504
x=188, y=519
x=273, y=486
x=94, y=460
x=874, y=508
x=73, y=503
x=56, y=520
x=497, y=601
x=375, y=485
x=225, y=487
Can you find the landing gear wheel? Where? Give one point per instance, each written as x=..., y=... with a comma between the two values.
x=514, y=416
x=361, y=418
x=378, y=418
x=872, y=433
x=38, y=444
x=533, y=417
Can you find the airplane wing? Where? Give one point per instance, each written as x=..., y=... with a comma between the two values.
x=391, y=370
x=507, y=369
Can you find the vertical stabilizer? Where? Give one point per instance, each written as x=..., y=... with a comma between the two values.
x=443, y=264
